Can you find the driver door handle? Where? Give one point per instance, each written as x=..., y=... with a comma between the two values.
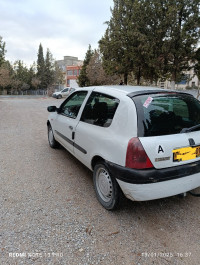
x=70, y=127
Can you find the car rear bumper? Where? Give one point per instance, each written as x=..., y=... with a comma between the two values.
x=152, y=191
x=150, y=184
x=152, y=175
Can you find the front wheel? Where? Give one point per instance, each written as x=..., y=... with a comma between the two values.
x=52, y=142
x=59, y=96
x=106, y=187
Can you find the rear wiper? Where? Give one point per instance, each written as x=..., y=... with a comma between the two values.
x=193, y=128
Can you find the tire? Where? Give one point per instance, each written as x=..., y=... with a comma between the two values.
x=52, y=142
x=59, y=96
x=106, y=187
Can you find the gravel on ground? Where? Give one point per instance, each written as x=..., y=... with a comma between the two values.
x=50, y=215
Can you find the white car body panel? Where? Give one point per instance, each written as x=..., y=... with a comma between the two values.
x=108, y=143
x=153, y=191
x=161, y=147
x=65, y=126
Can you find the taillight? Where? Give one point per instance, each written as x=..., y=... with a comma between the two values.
x=136, y=156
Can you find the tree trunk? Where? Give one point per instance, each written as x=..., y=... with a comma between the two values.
x=173, y=81
x=125, y=78
x=198, y=92
x=172, y=84
x=138, y=76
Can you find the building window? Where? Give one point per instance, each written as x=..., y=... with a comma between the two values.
x=75, y=72
x=70, y=72
x=193, y=84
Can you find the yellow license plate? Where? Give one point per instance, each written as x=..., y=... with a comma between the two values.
x=186, y=153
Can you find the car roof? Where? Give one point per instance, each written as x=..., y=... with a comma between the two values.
x=131, y=91
x=121, y=88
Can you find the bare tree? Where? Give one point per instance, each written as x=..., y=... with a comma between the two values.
x=5, y=78
x=96, y=73
x=35, y=82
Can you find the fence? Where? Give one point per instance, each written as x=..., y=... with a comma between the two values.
x=38, y=92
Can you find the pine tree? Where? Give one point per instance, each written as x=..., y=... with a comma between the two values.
x=2, y=51
x=83, y=79
x=41, y=67
x=148, y=32
x=21, y=75
x=117, y=40
x=182, y=35
x=151, y=39
x=31, y=76
x=48, y=71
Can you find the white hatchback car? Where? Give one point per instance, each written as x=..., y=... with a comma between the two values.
x=63, y=93
x=138, y=141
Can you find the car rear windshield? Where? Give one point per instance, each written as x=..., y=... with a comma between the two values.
x=164, y=114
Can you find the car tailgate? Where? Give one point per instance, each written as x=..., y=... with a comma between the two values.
x=172, y=150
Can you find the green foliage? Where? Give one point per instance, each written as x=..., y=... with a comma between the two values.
x=197, y=63
x=2, y=51
x=117, y=42
x=31, y=76
x=20, y=77
x=41, y=67
x=48, y=70
x=83, y=79
x=182, y=35
x=151, y=39
x=21, y=74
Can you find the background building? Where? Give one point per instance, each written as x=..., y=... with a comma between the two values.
x=70, y=67
x=189, y=80
x=72, y=75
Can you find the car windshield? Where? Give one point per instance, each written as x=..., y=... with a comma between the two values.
x=164, y=114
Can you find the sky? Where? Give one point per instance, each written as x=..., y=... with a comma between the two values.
x=66, y=27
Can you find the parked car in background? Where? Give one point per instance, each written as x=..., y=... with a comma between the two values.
x=63, y=93
x=138, y=141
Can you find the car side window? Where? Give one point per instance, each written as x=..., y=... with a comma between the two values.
x=100, y=109
x=65, y=90
x=72, y=104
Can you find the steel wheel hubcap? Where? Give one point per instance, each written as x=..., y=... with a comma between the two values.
x=50, y=136
x=104, y=184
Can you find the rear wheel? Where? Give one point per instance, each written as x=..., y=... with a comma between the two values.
x=52, y=142
x=106, y=187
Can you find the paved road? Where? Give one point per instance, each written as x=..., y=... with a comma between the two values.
x=50, y=215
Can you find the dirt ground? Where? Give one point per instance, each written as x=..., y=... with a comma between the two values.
x=50, y=214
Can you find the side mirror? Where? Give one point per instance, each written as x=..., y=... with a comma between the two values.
x=52, y=108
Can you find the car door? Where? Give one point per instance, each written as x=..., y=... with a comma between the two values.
x=65, y=92
x=68, y=118
x=93, y=133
